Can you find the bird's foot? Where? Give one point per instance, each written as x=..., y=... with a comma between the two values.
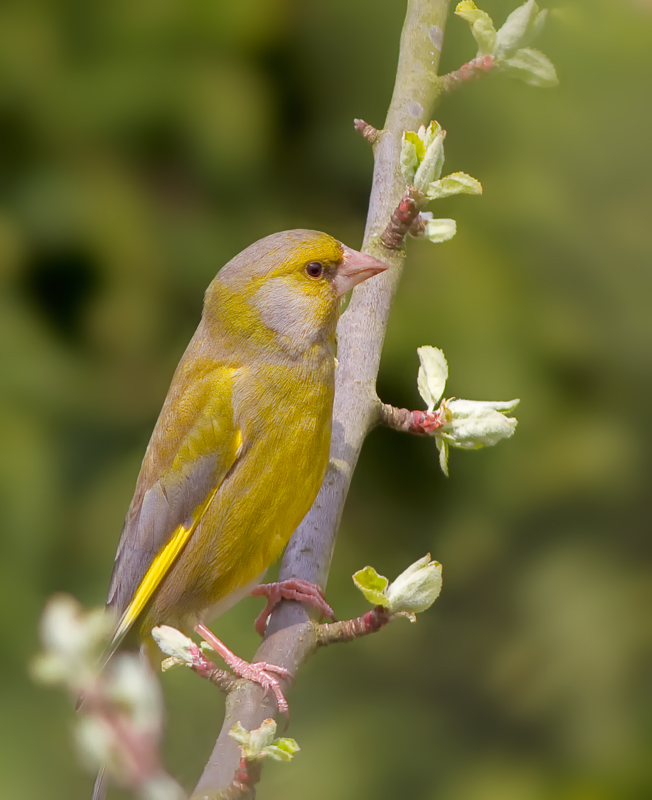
x=291, y=589
x=260, y=672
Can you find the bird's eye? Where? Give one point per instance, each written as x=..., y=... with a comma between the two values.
x=314, y=269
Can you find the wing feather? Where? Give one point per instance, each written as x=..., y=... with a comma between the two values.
x=194, y=445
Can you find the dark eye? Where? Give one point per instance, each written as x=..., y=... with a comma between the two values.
x=314, y=269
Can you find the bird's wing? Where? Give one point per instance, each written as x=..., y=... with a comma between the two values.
x=194, y=445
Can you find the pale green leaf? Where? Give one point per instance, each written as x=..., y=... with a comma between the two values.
x=260, y=742
x=409, y=159
x=472, y=434
x=240, y=734
x=455, y=183
x=472, y=408
x=416, y=588
x=282, y=749
x=262, y=736
x=520, y=28
x=532, y=67
x=174, y=643
x=372, y=585
x=440, y=230
x=430, y=133
x=476, y=423
x=433, y=161
x=417, y=141
x=482, y=26
x=433, y=374
x=442, y=446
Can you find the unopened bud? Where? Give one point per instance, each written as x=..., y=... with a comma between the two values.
x=175, y=644
x=417, y=588
x=260, y=743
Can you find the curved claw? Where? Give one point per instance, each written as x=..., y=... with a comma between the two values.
x=260, y=672
x=267, y=667
x=291, y=589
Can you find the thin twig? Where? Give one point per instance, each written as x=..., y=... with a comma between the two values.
x=205, y=668
x=470, y=71
x=422, y=423
x=349, y=629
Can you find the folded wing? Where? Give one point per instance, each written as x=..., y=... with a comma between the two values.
x=194, y=445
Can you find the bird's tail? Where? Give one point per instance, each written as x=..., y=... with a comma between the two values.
x=101, y=785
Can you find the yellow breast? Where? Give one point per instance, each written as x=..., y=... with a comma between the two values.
x=283, y=413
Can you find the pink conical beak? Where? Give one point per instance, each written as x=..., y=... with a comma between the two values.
x=354, y=268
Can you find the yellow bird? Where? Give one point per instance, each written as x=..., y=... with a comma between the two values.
x=241, y=445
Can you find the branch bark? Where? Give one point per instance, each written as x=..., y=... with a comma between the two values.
x=291, y=636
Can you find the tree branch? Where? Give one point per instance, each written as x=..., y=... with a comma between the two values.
x=291, y=636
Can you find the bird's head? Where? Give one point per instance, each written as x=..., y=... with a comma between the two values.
x=292, y=283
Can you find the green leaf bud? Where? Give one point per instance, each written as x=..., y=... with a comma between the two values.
x=411, y=154
x=174, y=644
x=440, y=230
x=455, y=183
x=415, y=589
x=432, y=163
x=260, y=743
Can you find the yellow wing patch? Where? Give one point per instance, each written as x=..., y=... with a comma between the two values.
x=158, y=569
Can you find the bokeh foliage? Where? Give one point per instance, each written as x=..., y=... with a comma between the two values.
x=146, y=142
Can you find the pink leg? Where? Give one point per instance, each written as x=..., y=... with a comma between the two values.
x=258, y=672
x=292, y=589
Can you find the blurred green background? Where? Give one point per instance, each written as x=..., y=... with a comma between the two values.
x=144, y=143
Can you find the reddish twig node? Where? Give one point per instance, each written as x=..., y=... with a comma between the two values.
x=402, y=219
x=470, y=71
x=418, y=227
x=422, y=423
x=425, y=422
x=246, y=777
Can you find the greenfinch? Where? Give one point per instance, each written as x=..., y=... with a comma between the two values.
x=241, y=444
